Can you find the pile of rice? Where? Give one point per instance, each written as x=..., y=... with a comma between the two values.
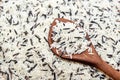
x=69, y=38
x=24, y=27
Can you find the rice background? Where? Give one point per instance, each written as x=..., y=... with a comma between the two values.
x=24, y=27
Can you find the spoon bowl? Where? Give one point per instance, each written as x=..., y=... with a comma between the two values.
x=83, y=57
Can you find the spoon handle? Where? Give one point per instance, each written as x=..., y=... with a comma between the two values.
x=107, y=69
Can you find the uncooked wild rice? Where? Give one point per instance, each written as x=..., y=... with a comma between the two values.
x=69, y=38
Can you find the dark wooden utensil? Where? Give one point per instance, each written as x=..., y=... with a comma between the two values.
x=91, y=59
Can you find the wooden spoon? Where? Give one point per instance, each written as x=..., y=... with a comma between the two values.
x=91, y=59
